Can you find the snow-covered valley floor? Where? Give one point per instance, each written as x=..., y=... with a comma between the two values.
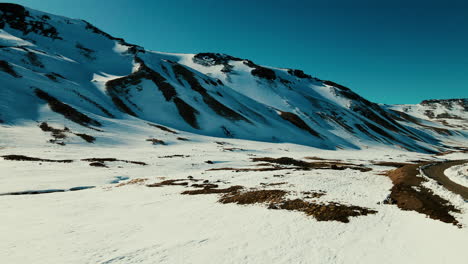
x=132, y=223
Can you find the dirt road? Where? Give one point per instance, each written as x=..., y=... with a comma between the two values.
x=436, y=172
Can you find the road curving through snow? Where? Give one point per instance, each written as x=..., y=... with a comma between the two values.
x=458, y=174
x=436, y=172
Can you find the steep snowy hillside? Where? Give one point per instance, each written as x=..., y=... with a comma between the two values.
x=113, y=154
x=53, y=66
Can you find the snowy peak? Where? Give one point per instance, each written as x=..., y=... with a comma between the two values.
x=451, y=113
x=54, y=67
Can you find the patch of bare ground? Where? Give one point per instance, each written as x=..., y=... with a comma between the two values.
x=313, y=194
x=390, y=164
x=156, y=141
x=182, y=139
x=233, y=149
x=26, y=158
x=304, y=165
x=181, y=182
x=98, y=164
x=276, y=200
x=174, y=156
x=274, y=168
x=137, y=181
x=323, y=212
x=253, y=197
x=163, y=128
x=232, y=189
x=409, y=194
x=102, y=160
x=273, y=183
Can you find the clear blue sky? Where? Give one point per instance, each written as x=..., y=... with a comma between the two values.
x=388, y=51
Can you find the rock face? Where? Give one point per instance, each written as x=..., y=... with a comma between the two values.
x=87, y=75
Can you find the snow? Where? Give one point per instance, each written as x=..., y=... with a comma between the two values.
x=458, y=174
x=137, y=224
x=132, y=223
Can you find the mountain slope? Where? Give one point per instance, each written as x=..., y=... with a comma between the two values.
x=53, y=66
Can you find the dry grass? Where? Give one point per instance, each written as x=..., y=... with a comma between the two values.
x=304, y=165
x=26, y=158
x=137, y=181
x=180, y=182
x=114, y=160
x=408, y=193
x=323, y=212
x=232, y=189
x=253, y=197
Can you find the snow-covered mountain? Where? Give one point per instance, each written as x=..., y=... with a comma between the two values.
x=53, y=67
x=110, y=153
x=452, y=113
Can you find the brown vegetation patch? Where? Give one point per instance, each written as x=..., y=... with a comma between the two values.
x=304, y=165
x=98, y=164
x=273, y=183
x=232, y=189
x=275, y=199
x=26, y=158
x=249, y=169
x=174, y=156
x=114, y=160
x=313, y=194
x=233, y=149
x=323, y=212
x=132, y=182
x=390, y=164
x=253, y=197
x=409, y=194
x=181, y=182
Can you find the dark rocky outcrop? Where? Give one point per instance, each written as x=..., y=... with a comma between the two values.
x=6, y=67
x=298, y=122
x=67, y=111
x=16, y=17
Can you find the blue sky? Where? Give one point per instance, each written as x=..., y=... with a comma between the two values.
x=387, y=51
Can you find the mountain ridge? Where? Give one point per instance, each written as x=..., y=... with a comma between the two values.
x=71, y=64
